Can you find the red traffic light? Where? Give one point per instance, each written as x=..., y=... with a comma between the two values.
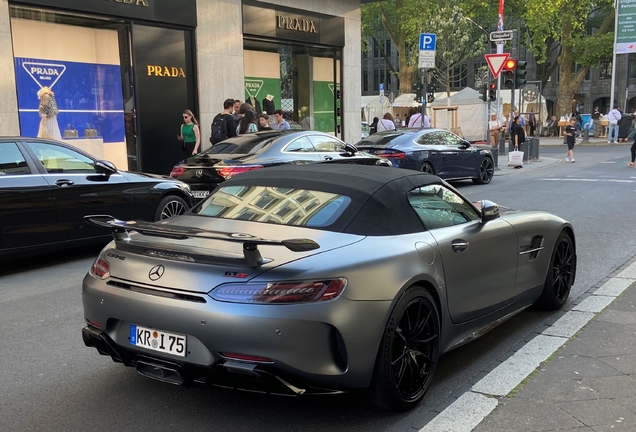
x=510, y=65
x=493, y=86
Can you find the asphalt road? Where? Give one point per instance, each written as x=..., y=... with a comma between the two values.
x=50, y=382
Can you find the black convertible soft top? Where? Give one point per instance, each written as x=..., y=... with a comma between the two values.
x=379, y=204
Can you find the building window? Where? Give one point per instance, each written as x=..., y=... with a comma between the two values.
x=632, y=66
x=605, y=70
x=382, y=78
x=587, y=74
x=376, y=80
x=459, y=77
x=376, y=51
x=365, y=81
x=387, y=48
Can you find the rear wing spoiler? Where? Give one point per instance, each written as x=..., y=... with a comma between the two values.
x=250, y=243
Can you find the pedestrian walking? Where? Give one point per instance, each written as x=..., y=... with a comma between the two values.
x=280, y=123
x=190, y=135
x=223, y=125
x=614, y=117
x=386, y=123
x=263, y=122
x=247, y=123
x=495, y=130
x=419, y=120
x=570, y=135
x=532, y=122
x=517, y=132
x=596, y=121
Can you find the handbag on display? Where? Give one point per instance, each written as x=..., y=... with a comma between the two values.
x=90, y=131
x=515, y=158
x=70, y=131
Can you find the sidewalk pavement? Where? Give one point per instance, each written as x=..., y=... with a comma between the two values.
x=543, y=161
x=577, y=373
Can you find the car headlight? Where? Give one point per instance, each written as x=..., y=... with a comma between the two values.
x=280, y=292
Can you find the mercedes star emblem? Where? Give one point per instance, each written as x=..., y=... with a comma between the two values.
x=198, y=173
x=156, y=272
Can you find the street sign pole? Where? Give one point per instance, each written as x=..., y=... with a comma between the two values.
x=428, y=42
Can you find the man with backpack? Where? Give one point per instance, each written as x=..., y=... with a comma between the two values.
x=223, y=125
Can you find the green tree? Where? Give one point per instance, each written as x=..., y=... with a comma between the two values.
x=574, y=32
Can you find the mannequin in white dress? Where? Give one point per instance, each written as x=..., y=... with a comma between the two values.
x=49, y=128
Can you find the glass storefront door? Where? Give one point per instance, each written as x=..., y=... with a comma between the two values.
x=302, y=80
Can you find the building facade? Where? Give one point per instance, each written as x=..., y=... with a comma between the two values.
x=123, y=71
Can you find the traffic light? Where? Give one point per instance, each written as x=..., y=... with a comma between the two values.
x=492, y=92
x=484, y=93
x=431, y=97
x=520, y=75
x=510, y=68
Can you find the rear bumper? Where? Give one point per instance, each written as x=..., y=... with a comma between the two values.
x=314, y=347
x=225, y=373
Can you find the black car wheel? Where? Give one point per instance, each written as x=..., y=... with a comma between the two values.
x=486, y=171
x=427, y=168
x=170, y=206
x=561, y=272
x=408, y=353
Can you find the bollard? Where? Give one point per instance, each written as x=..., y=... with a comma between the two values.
x=495, y=157
x=586, y=135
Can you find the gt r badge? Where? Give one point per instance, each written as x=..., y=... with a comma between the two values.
x=198, y=173
x=156, y=272
x=235, y=275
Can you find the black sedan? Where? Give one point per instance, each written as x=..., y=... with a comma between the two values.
x=47, y=187
x=434, y=151
x=249, y=152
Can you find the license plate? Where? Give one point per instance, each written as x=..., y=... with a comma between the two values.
x=200, y=194
x=158, y=340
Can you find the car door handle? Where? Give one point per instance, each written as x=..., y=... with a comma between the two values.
x=328, y=158
x=454, y=153
x=64, y=183
x=459, y=246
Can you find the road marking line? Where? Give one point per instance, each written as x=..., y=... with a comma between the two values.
x=588, y=180
x=611, y=162
x=467, y=411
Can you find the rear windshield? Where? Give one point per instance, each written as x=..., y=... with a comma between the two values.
x=277, y=205
x=380, y=139
x=244, y=144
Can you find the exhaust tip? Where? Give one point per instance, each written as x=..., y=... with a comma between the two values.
x=160, y=372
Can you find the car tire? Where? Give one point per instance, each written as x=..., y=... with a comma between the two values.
x=410, y=343
x=561, y=273
x=170, y=206
x=486, y=171
x=427, y=168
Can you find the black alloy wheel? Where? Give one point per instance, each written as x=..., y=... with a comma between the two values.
x=170, y=206
x=408, y=354
x=486, y=171
x=427, y=168
x=561, y=274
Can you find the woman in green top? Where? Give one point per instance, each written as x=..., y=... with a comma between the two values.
x=190, y=135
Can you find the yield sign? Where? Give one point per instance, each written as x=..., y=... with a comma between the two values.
x=496, y=62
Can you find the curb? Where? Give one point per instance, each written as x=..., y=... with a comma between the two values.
x=465, y=412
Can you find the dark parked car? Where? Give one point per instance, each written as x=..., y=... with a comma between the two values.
x=47, y=187
x=434, y=151
x=237, y=155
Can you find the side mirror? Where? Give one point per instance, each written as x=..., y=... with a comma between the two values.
x=105, y=167
x=489, y=211
x=350, y=148
x=465, y=144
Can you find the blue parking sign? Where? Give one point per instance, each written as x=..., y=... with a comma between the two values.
x=381, y=86
x=428, y=41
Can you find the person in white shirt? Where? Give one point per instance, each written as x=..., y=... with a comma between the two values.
x=495, y=130
x=418, y=120
x=614, y=116
x=386, y=123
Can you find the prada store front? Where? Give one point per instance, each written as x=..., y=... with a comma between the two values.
x=292, y=61
x=121, y=72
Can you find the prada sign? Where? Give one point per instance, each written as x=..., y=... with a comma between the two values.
x=296, y=24
x=282, y=23
x=179, y=12
x=165, y=71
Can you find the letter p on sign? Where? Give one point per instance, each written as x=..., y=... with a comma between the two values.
x=428, y=41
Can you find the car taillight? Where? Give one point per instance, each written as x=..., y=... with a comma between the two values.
x=393, y=155
x=100, y=269
x=231, y=171
x=177, y=171
x=245, y=357
x=280, y=292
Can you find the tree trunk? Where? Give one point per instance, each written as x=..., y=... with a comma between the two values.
x=405, y=73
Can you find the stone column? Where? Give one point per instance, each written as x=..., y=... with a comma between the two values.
x=9, y=122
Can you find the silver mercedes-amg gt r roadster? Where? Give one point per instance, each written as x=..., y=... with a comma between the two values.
x=320, y=279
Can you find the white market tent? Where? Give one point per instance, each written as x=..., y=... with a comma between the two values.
x=372, y=106
x=471, y=114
